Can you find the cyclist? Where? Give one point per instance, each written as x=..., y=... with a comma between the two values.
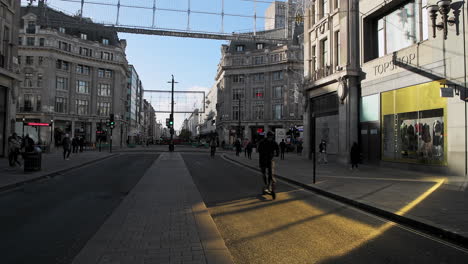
x=267, y=149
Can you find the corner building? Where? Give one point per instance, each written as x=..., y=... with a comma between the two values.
x=71, y=77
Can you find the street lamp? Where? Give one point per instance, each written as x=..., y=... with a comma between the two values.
x=51, y=129
x=444, y=7
x=24, y=120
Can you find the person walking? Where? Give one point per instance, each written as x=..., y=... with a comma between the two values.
x=81, y=143
x=66, y=144
x=267, y=149
x=14, y=146
x=282, y=147
x=238, y=147
x=355, y=155
x=244, y=145
x=213, y=147
x=249, y=150
x=75, y=145
x=28, y=144
x=323, y=152
x=299, y=148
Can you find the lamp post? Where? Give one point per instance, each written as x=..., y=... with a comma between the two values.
x=51, y=130
x=24, y=120
x=444, y=7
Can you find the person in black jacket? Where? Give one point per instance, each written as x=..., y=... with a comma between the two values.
x=355, y=155
x=267, y=149
x=282, y=146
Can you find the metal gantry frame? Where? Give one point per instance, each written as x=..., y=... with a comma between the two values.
x=154, y=30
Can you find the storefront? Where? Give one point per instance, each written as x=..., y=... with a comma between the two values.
x=325, y=108
x=369, y=117
x=414, y=125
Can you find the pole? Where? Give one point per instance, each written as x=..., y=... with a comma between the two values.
x=50, y=144
x=24, y=120
x=313, y=147
x=464, y=89
x=100, y=134
x=239, y=123
x=111, y=140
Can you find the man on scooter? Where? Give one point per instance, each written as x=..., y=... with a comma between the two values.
x=267, y=149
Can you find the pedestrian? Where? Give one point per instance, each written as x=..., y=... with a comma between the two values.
x=75, y=145
x=267, y=149
x=14, y=146
x=238, y=147
x=355, y=155
x=282, y=146
x=213, y=147
x=28, y=144
x=323, y=152
x=81, y=143
x=66, y=144
x=249, y=150
x=299, y=148
x=246, y=141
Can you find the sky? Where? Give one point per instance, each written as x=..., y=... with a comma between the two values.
x=193, y=62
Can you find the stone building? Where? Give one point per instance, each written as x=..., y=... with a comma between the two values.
x=331, y=70
x=396, y=110
x=208, y=117
x=259, y=86
x=9, y=78
x=134, y=112
x=74, y=78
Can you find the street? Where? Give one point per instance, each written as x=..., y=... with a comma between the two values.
x=301, y=227
x=51, y=220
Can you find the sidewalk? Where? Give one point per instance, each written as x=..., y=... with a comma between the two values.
x=162, y=220
x=52, y=163
x=433, y=203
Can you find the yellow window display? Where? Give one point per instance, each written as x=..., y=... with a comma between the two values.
x=414, y=127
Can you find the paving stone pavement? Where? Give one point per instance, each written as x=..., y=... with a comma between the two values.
x=433, y=199
x=162, y=220
x=51, y=163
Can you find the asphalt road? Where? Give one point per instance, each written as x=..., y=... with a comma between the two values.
x=50, y=221
x=301, y=227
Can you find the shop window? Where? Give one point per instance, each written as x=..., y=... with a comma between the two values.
x=414, y=129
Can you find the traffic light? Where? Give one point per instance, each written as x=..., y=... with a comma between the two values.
x=111, y=121
x=171, y=120
x=168, y=122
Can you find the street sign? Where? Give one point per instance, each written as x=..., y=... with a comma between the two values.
x=280, y=134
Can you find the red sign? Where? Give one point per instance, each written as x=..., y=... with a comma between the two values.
x=259, y=130
x=38, y=124
x=100, y=132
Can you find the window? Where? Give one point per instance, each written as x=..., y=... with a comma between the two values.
x=398, y=29
x=235, y=112
x=62, y=65
x=105, y=41
x=40, y=60
x=104, y=89
x=258, y=112
x=19, y=59
x=62, y=30
x=60, y=105
x=20, y=41
x=64, y=46
x=29, y=60
x=61, y=83
x=324, y=55
x=312, y=59
x=108, y=73
x=277, y=111
x=100, y=73
x=277, y=92
x=258, y=77
x=39, y=80
x=260, y=46
x=336, y=4
x=238, y=78
x=337, y=48
x=106, y=55
x=240, y=48
x=312, y=15
x=28, y=79
x=82, y=107
x=83, y=36
x=31, y=29
x=324, y=9
x=28, y=103
x=82, y=87
x=85, y=51
x=30, y=41
x=41, y=42
x=277, y=75
x=82, y=69
x=258, y=93
x=38, y=103
x=103, y=108
x=237, y=94
x=237, y=61
x=274, y=58
x=258, y=60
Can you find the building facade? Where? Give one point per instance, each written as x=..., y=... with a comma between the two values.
x=208, y=117
x=71, y=78
x=276, y=15
x=9, y=77
x=332, y=72
x=135, y=113
x=403, y=117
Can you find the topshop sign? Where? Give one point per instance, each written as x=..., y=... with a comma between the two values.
x=389, y=66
